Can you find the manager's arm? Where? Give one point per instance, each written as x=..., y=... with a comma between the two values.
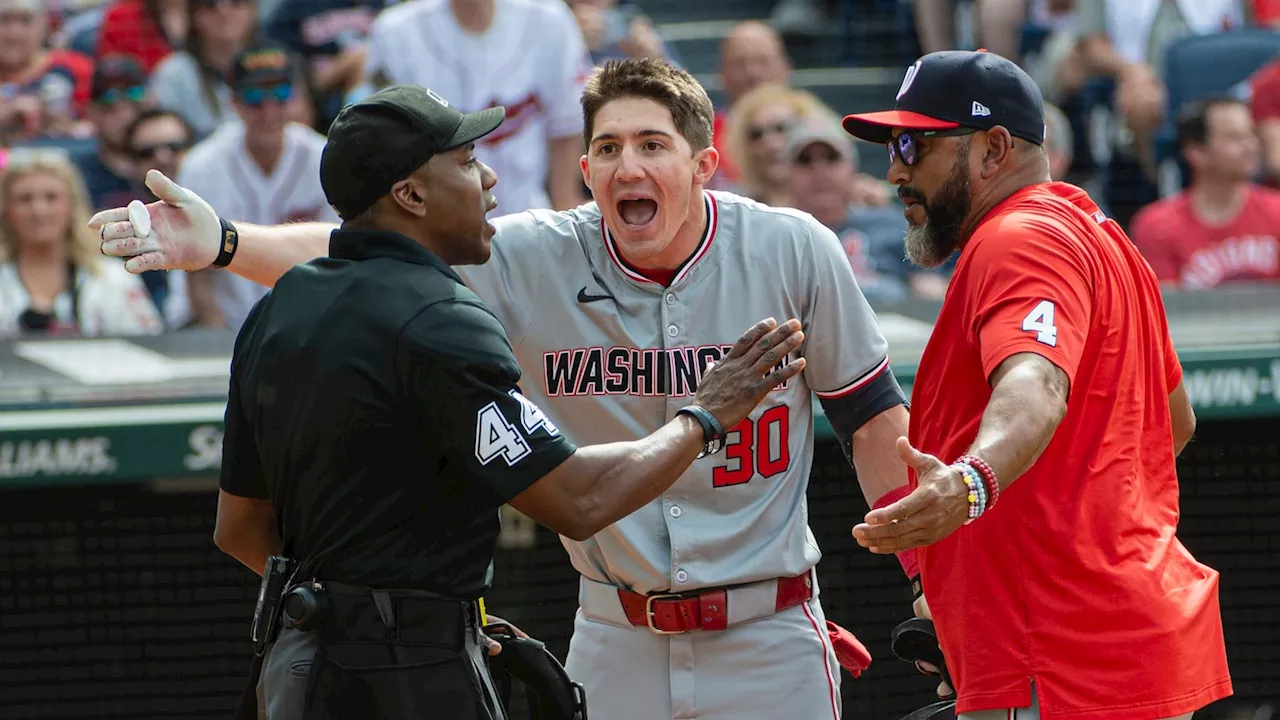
x=1028, y=401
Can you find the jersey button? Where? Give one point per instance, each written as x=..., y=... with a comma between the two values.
x=672, y=331
x=671, y=298
x=681, y=576
x=676, y=511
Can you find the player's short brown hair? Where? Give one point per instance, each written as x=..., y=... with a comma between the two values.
x=656, y=80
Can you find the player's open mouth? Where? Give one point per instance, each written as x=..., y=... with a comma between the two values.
x=637, y=213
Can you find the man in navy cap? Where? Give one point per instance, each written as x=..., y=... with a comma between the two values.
x=1048, y=411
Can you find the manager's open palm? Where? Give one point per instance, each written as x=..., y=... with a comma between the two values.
x=184, y=233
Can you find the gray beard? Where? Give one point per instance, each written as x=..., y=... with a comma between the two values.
x=922, y=249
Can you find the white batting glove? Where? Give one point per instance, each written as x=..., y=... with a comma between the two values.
x=184, y=233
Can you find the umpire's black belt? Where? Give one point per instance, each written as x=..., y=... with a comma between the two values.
x=353, y=613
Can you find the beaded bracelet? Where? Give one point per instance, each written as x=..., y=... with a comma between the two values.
x=969, y=482
x=988, y=476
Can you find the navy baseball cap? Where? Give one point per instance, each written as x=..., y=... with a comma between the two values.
x=381, y=140
x=959, y=88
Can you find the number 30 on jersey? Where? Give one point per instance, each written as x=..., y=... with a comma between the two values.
x=498, y=437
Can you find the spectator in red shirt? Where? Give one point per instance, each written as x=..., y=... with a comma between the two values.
x=1223, y=227
x=1047, y=413
x=44, y=91
x=146, y=29
x=1264, y=89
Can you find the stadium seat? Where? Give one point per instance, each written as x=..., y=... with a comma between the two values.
x=1202, y=66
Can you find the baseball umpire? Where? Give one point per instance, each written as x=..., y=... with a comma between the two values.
x=615, y=311
x=1049, y=410
x=374, y=427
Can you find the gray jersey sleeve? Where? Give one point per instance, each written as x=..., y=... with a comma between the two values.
x=846, y=355
x=510, y=281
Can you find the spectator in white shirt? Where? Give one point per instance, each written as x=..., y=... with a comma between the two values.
x=526, y=55
x=53, y=278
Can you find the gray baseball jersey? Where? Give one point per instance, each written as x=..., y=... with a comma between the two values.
x=610, y=355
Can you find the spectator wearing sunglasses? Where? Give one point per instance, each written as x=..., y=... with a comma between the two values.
x=756, y=131
x=264, y=169
x=193, y=82
x=823, y=182
x=119, y=89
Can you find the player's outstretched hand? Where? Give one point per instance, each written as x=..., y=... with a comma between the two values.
x=184, y=231
x=732, y=387
x=935, y=509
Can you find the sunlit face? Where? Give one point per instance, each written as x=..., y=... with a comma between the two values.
x=1232, y=149
x=935, y=191
x=21, y=33
x=458, y=197
x=643, y=174
x=264, y=109
x=37, y=208
x=821, y=177
x=767, y=141
x=159, y=143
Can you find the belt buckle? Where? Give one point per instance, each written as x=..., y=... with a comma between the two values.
x=648, y=612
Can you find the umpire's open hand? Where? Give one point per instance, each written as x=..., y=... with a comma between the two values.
x=935, y=509
x=184, y=233
x=732, y=388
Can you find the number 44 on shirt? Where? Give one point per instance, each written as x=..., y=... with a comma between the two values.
x=1040, y=322
x=496, y=436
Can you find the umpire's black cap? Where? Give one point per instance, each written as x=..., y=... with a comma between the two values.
x=959, y=88
x=381, y=140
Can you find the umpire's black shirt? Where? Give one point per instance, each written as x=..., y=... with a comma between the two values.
x=373, y=398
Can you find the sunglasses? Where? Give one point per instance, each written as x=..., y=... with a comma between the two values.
x=824, y=156
x=907, y=145
x=759, y=131
x=255, y=96
x=147, y=152
x=111, y=96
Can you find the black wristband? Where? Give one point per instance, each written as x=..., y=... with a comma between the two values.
x=917, y=588
x=713, y=434
x=230, y=242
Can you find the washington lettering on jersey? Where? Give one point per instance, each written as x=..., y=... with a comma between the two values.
x=645, y=372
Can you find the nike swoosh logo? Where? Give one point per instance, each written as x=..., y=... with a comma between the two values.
x=583, y=297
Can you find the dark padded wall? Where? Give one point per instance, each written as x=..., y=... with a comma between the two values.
x=115, y=604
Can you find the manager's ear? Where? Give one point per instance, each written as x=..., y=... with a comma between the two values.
x=997, y=152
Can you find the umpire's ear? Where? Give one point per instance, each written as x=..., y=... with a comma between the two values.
x=412, y=193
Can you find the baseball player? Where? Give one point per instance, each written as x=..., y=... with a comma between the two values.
x=525, y=55
x=1050, y=410
x=263, y=169
x=704, y=603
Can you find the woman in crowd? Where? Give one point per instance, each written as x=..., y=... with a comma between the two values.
x=53, y=278
x=193, y=82
x=757, y=129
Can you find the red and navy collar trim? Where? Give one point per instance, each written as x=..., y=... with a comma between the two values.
x=713, y=218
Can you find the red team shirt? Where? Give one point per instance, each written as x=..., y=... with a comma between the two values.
x=1183, y=251
x=1076, y=572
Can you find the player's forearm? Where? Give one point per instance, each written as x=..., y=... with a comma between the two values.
x=879, y=469
x=1028, y=401
x=616, y=479
x=265, y=253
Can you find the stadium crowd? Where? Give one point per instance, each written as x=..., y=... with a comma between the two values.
x=232, y=98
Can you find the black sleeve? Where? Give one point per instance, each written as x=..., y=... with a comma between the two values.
x=241, y=465
x=852, y=410
x=454, y=359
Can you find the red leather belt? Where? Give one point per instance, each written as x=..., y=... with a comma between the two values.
x=673, y=613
